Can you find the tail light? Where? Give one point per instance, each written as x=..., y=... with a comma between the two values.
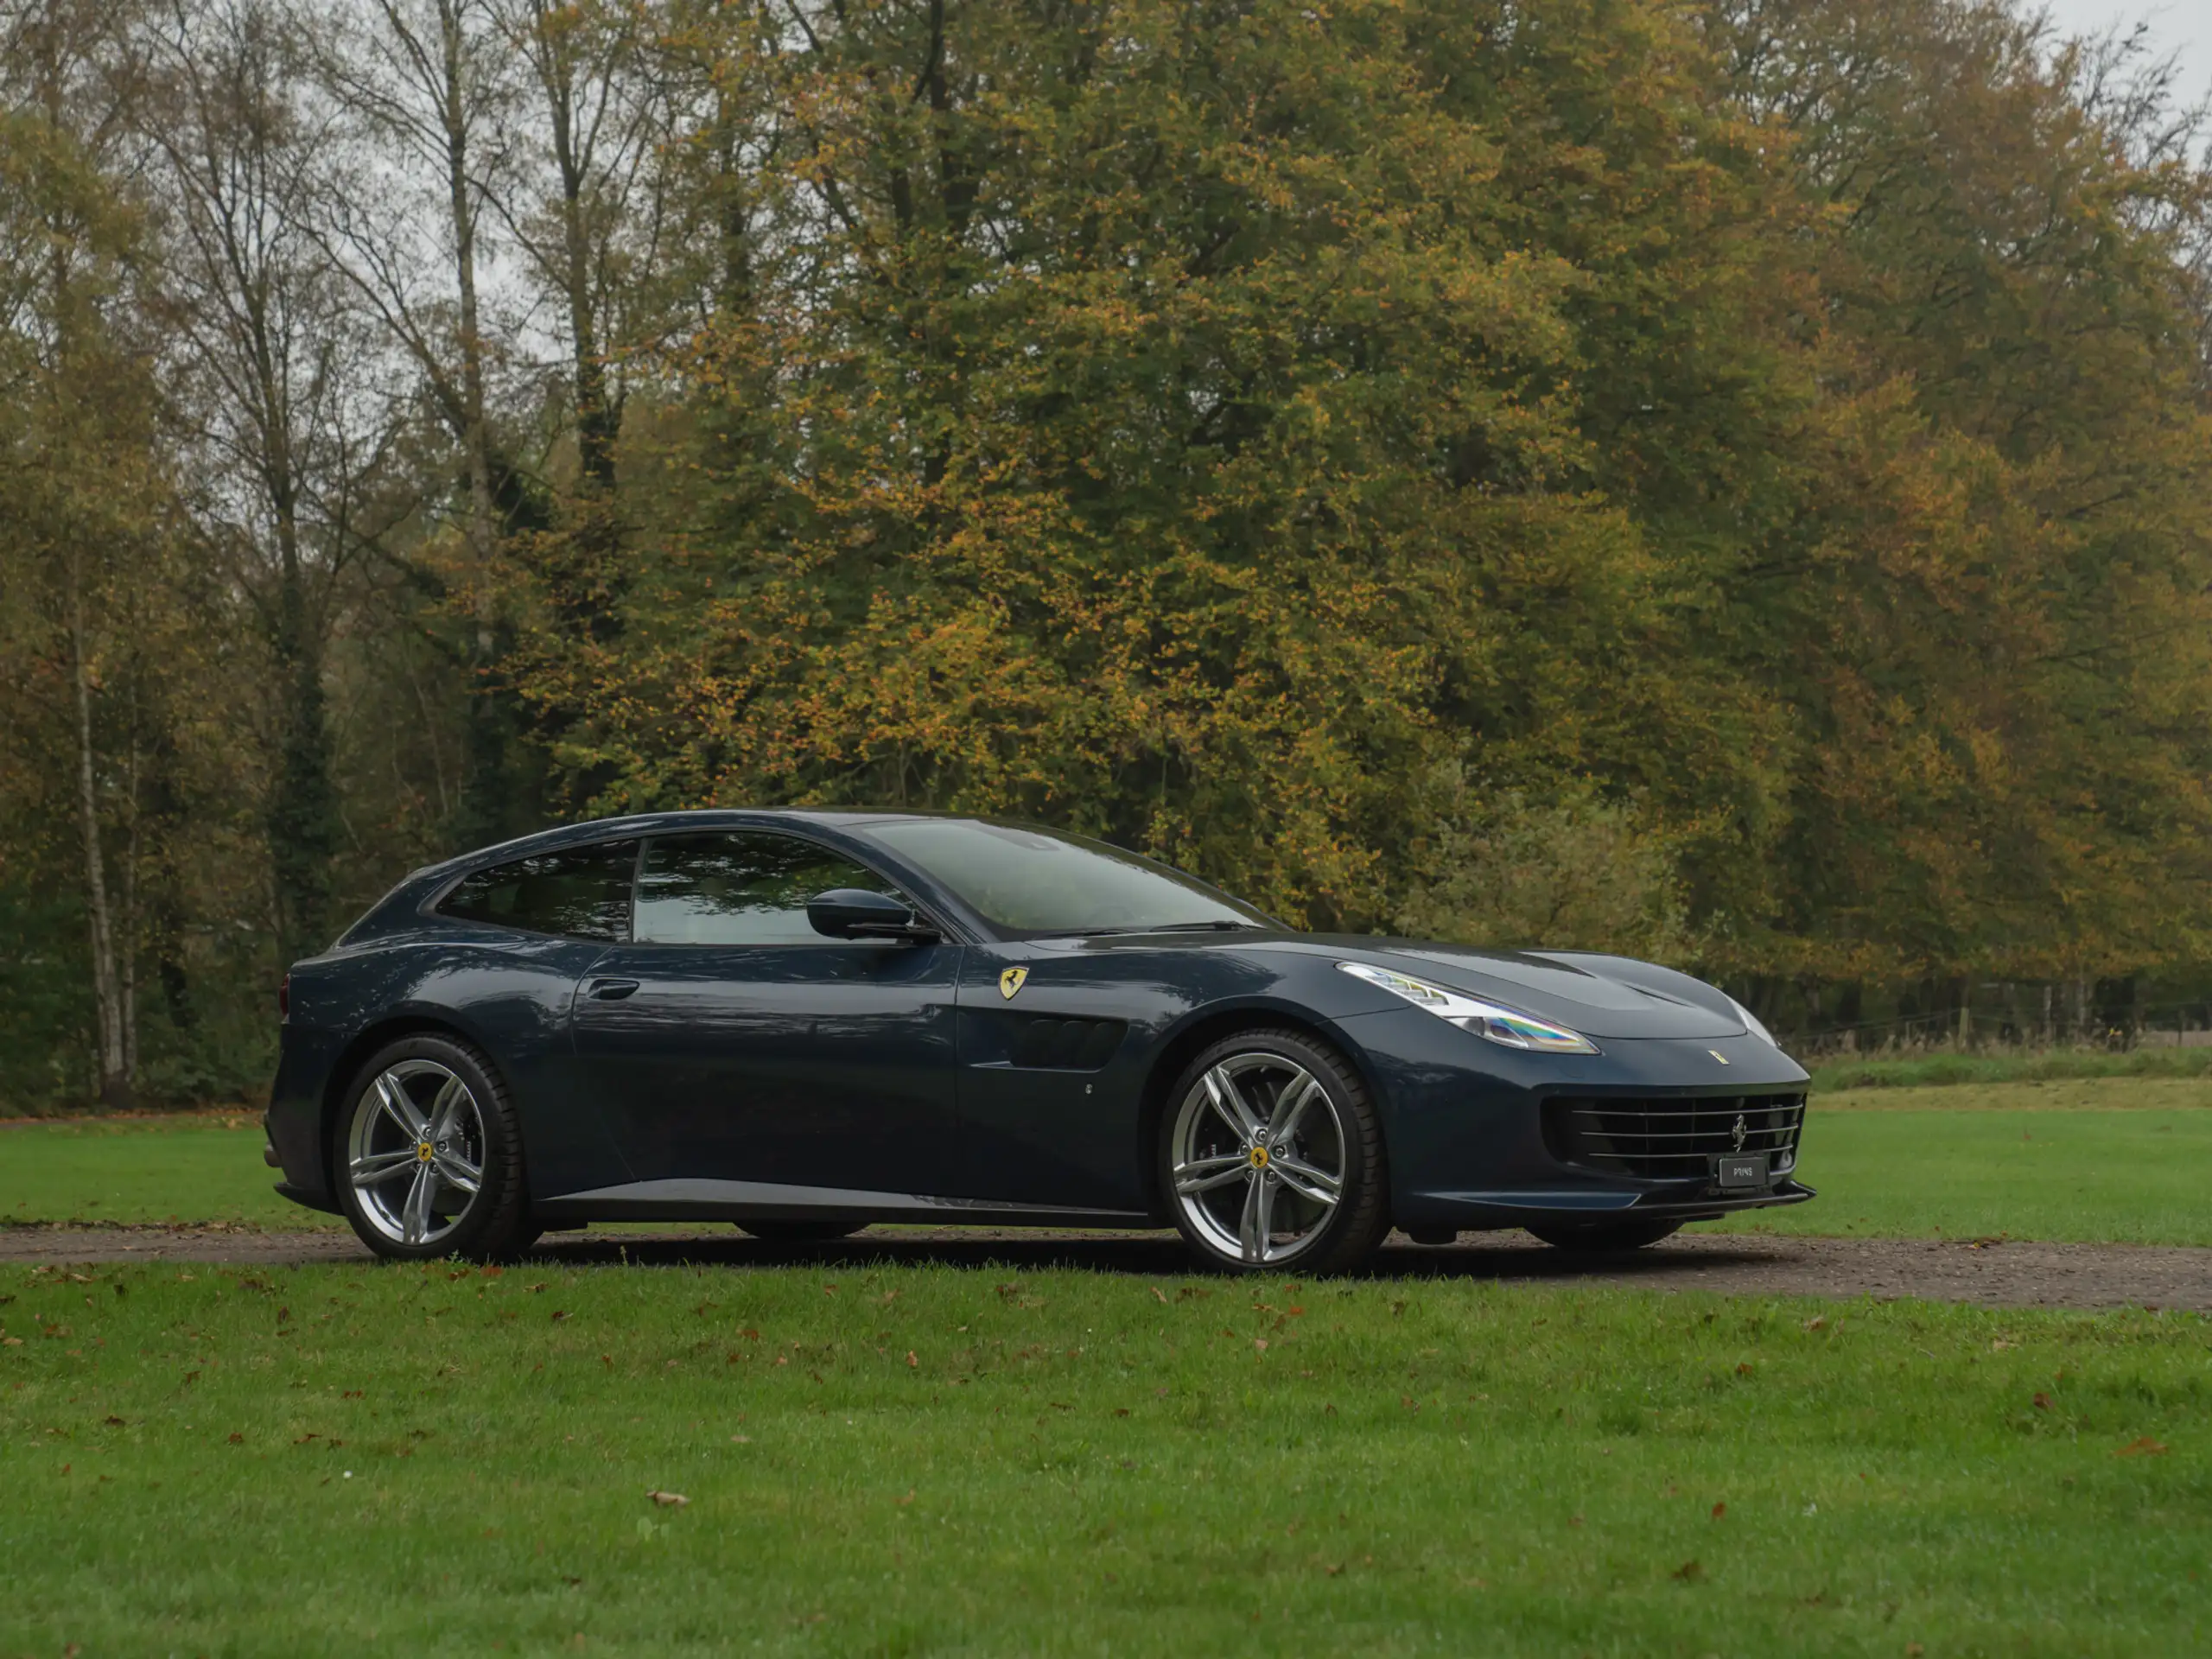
x=284, y=999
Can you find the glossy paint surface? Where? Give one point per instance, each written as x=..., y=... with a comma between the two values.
x=971, y=1075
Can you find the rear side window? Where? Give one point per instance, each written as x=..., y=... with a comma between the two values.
x=740, y=889
x=582, y=891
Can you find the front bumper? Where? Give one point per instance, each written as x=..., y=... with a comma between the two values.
x=1463, y=1123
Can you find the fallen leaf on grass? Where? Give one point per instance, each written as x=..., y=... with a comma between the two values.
x=1817, y=1323
x=236, y=1439
x=559, y=1314
x=115, y=1422
x=909, y=1498
x=2142, y=1447
x=1743, y=1368
x=912, y=1363
x=2043, y=1402
x=669, y=1500
x=1689, y=1573
x=1121, y=1411
x=1260, y=1344
x=1159, y=1295
x=740, y=1439
x=1720, y=1509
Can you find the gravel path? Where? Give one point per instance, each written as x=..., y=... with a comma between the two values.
x=1993, y=1273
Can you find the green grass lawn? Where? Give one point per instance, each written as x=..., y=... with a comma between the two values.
x=2001, y=1066
x=2122, y=1159
x=2060, y=1161
x=931, y=1459
x=200, y=1168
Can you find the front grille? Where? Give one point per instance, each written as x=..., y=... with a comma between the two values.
x=1672, y=1140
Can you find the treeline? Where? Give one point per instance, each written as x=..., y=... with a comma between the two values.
x=1724, y=482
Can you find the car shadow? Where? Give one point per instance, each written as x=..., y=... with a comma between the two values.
x=1147, y=1254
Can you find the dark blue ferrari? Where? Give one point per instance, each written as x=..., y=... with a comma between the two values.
x=804, y=1022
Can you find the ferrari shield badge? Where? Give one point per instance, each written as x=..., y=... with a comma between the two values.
x=1011, y=981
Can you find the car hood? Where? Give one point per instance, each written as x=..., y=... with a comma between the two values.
x=1599, y=996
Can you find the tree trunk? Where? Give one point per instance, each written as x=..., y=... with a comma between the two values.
x=483, y=790
x=303, y=807
x=111, y=1009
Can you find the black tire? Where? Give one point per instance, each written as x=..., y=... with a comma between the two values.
x=1613, y=1236
x=494, y=1223
x=1355, y=1225
x=801, y=1232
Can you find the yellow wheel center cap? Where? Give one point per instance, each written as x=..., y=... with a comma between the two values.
x=1259, y=1157
x=425, y=1151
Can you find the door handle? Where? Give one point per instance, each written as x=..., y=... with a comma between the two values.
x=610, y=991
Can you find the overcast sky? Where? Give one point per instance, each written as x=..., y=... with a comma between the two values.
x=2182, y=27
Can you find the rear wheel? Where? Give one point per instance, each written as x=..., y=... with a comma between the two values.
x=1612, y=1235
x=801, y=1232
x=430, y=1155
x=1271, y=1157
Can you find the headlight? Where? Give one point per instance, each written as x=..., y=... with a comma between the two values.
x=1503, y=1027
x=1751, y=1023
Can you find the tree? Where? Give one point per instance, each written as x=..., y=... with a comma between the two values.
x=84, y=496
x=291, y=422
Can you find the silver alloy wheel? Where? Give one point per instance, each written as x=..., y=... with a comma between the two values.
x=1258, y=1158
x=415, y=1152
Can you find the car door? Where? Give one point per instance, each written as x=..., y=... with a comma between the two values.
x=727, y=1041
x=506, y=966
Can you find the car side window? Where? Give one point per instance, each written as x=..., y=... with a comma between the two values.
x=744, y=888
x=581, y=891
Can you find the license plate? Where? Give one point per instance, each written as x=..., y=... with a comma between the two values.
x=1743, y=1169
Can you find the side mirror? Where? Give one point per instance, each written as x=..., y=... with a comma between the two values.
x=855, y=914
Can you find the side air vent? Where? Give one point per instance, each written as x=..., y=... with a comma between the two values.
x=1052, y=1044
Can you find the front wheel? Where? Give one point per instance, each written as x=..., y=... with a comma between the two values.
x=1616, y=1236
x=1271, y=1154
x=430, y=1155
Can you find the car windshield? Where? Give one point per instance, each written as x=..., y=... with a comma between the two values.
x=1037, y=881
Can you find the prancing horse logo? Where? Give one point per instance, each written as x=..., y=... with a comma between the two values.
x=1738, y=1135
x=1011, y=981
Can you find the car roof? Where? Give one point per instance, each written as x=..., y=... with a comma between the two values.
x=641, y=824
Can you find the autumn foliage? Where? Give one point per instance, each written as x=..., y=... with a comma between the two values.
x=1721, y=482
